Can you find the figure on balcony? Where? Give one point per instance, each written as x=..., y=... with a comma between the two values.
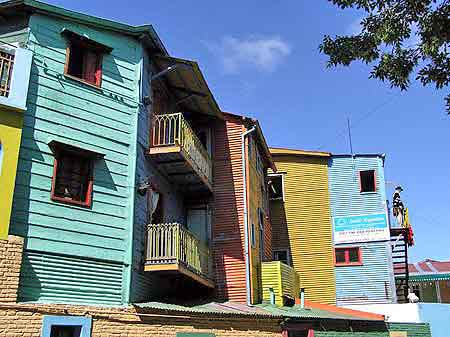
x=398, y=209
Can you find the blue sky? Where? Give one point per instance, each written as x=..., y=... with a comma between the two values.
x=261, y=59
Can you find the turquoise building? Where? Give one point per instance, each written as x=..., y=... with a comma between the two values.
x=113, y=194
x=75, y=184
x=361, y=233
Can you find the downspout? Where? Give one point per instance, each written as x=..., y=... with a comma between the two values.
x=246, y=236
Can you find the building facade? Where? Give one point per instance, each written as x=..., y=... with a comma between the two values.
x=15, y=69
x=361, y=233
x=301, y=220
x=430, y=280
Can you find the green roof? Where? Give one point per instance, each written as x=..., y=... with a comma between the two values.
x=143, y=31
x=429, y=277
x=259, y=310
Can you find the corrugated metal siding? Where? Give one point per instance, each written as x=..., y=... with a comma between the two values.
x=368, y=283
x=228, y=217
x=101, y=120
x=308, y=234
x=373, y=281
x=413, y=329
x=345, y=195
x=62, y=279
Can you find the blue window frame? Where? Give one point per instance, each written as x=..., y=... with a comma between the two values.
x=75, y=326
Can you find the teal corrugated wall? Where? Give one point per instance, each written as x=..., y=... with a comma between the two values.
x=373, y=281
x=58, y=278
x=102, y=120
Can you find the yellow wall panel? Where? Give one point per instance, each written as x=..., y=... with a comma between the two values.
x=302, y=223
x=10, y=135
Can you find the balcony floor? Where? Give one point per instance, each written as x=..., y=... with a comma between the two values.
x=177, y=165
x=174, y=268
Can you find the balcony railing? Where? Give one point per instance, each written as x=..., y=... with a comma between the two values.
x=174, y=130
x=6, y=68
x=173, y=244
x=280, y=278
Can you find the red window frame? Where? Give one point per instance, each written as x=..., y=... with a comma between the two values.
x=91, y=73
x=90, y=178
x=347, y=256
x=374, y=181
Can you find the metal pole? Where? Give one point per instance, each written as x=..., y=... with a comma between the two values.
x=350, y=135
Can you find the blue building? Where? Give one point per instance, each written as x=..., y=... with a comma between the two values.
x=361, y=233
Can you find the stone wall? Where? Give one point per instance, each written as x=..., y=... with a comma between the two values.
x=25, y=320
x=10, y=261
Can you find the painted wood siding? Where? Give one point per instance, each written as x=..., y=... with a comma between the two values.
x=103, y=120
x=257, y=180
x=373, y=281
x=302, y=223
x=228, y=216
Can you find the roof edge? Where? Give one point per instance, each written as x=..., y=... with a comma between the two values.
x=297, y=152
x=107, y=24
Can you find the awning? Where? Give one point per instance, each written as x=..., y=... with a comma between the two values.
x=189, y=86
x=429, y=277
x=71, y=35
x=57, y=146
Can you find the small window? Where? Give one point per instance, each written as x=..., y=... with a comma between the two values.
x=281, y=255
x=65, y=331
x=72, y=177
x=259, y=163
x=367, y=181
x=348, y=256
x=276, y=186
x=84, y=58
x=253, y=235
x=66, y=326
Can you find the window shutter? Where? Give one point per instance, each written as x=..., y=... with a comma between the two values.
x=90, y=67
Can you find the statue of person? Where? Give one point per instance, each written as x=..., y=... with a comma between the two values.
x=398, y=209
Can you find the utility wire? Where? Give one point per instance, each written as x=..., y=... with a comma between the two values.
x=362, y=118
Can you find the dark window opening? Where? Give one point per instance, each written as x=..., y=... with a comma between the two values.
x=275, y=187
x=282, y=256
x=158, y=214
x=367, y=179
x=84, y=62
x=348, y=256
x=298, y=333
x=72, y=178
x=65, y=331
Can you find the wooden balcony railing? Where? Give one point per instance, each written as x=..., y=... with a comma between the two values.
x=169, y=244
x=6, y=67
x=282, y=279
x=174, y=129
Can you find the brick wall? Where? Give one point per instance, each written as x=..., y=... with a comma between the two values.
x=10, y=261
x=25, y=320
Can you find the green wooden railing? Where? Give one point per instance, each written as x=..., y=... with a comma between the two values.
x=172, y=243
x=174, y=129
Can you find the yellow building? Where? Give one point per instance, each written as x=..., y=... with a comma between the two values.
x=15, y=66
x=301, y=220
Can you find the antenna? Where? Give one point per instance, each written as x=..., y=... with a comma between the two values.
x=350, y=135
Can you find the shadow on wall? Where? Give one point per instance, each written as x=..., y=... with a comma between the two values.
x=280, y=232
